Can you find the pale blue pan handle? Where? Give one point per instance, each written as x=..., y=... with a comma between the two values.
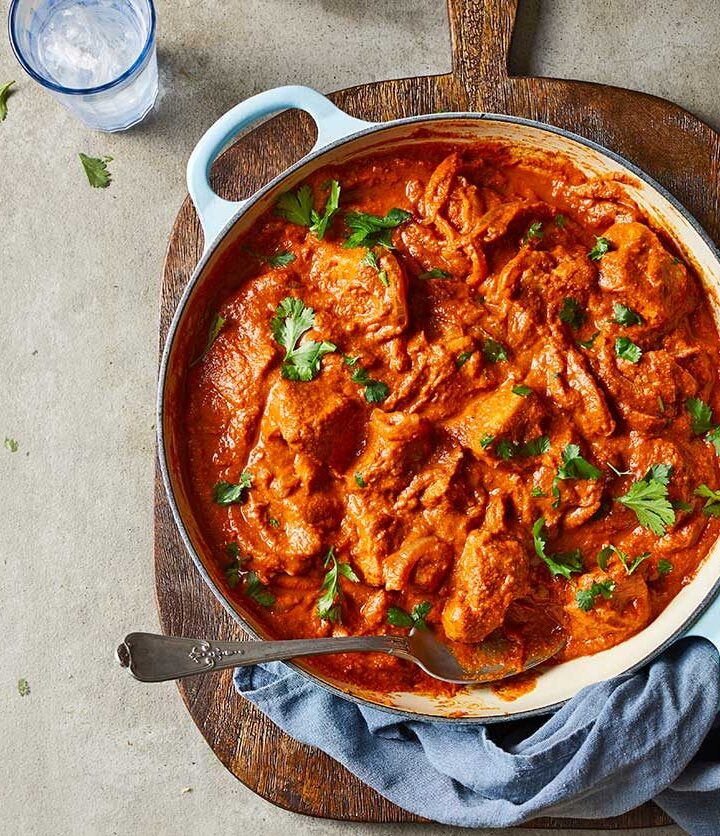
x=332, y=124
x=708, y=625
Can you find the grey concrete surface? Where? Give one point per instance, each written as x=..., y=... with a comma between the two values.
x=89, y=751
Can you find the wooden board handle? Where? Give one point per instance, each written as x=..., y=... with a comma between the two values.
x=481, y=32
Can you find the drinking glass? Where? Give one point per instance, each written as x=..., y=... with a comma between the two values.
x=96, y=57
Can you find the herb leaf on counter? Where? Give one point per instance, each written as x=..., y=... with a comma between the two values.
x=225, y=493
x=96, y=170
x=293, y=319
x=586, y=598
x=563, y=563
x=329, y=607
x=626, y=349
x=711, y=508
x=23, y=687
x=602, y=246
x=626, y=316
x=571, y=313
x=648, y=498
x=11, y=445
x=371, y=230
x=4, y=94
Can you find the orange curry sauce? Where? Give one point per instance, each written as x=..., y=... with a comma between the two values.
x=497, y=339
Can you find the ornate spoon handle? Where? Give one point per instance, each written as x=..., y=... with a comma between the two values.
x=154, y=658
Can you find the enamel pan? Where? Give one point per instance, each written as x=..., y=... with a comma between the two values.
x=696, y=609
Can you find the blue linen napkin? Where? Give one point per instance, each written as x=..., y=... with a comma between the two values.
x=650, y=735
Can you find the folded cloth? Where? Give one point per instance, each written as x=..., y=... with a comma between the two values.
x=612, y=747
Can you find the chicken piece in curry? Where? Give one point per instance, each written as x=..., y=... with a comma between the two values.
x=463, y=389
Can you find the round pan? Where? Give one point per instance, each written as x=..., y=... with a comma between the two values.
x=694, y=611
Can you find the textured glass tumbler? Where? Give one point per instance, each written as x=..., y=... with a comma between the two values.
x=97, y=57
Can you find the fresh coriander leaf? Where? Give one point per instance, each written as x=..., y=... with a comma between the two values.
x=4, y=94
x=627, y=350
x=461, y=359
x=661, y=404
x=564, y=563
x=711, y=508
x=296, y=207
x=273, y=522
x=293, y=319
x=586, y=598
x=23, y=685
x=574, y=466
x=602, y=246
x=522, y=390
x=11, y=445
x=534, y=231
x=371, y=260
x=679, y=505
x=493, y=351
x=96, y=170
x=535, y=447
x=571, y=313
x=383, y=276
x=626, y=316
x=281, y=259
x=486, y=441
x=435, y=273
x=351, y=361
x=370, y=230
x=359, y=481
x=234, y=573
x=604, y=555
x=225, y=493
x=216, y=327
x=661, y=472
x=420, y=613
x=589, y=342
x=375, y=390
x=506, y=449
x=630, y=564
x=559, y=221
x=664, y=567
x=233, y=551
x=648, y=498
x=714, y=438
x=537, y=492
x=256, y=589
x=319, y=223
x=329, y=604
x=398, y=617
x=701, y=414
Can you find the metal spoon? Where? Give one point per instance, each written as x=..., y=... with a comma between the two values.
x=153, y=658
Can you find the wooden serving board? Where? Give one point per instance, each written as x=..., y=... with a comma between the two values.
x=676, y=148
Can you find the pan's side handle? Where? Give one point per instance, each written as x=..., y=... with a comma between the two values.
x=332, y=124
x=708, y=625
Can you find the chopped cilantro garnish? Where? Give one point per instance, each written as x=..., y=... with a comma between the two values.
x=602, y=246
x=319, y=223
x=535, y=447
x=537, y=492
x=399, y=617
x=375, y=390
x=493, y=351
x=648, y=498
x=225, y=493
x=564, y=563
x=534, y=231
x=630, y=564
x=626, y=349
x=586, y=598
x=701, y=414
x=297, y=207
x=435, y=273
x=573, y=466
x=589, y=342
x=293, y=319
x=486, y=441
x=215, y=328
x=711, y=508
x=281, y=259
x=256, y=589
x=371, y=230
x=626, y=316
x=559, y=221
x=664, y=567
x=96, y=170
x=571, y=313
x=461, y=359
x=359, y=481
x=714, y=438
x=522, y=390
x=329, y=604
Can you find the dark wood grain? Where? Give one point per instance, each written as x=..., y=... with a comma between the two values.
x=676, y=148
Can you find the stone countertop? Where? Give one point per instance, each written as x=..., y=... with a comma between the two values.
x=90, y=751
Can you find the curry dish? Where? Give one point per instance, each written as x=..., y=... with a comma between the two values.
x=464, y=389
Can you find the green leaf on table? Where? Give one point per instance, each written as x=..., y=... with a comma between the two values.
x=96, y=170
x=4, y=95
